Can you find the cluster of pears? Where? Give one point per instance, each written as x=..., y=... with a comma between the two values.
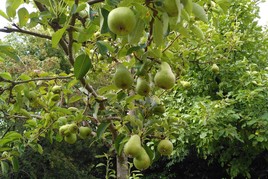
x=164, y=79
x=70, y=132
x=134, y=149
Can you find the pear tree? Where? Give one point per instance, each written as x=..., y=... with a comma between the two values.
x=124, y=63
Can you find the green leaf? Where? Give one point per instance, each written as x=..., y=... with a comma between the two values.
x=2, y=149
x=203, y=135
x=101, y=129
x=74, y=99
x=187, y=5
x=13, y=135
x=182, y=30
x=81, y=7
x=40, y=149
x=44, y=2
x=118, y=143
x=4, y=168
x=9, y=51
x=185, y=15
x=23, y=16
x=24, y=77
x=11, y=7
x=87, y=33
x=158, y=33
x=4, y=15
x=224, y=4
x=150, y=152
x=103, y=21
x=6, y=75
x=73, y=9
x=165, y=20
x=197, y=31
x=81, y=65
x=15, y=163
x=135, y=36
x=199, y=12
x=104, y=47
x=133, y=49
x=57, y=36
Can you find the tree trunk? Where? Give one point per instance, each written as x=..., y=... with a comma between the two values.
x=121, y=166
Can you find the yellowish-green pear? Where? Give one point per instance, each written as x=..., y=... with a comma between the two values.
x=165, y=147
x=165, y=78
x=143, y=86
x=122, y=77
x=133, y=146
x=142, y=161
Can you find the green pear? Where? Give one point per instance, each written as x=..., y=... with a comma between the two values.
x=186, y=84
x=73, y=128
x=64, y=130
x=71, y=138
x=32, y=96
x=62, y=120
x=171, y=8
x=165, y=147
x=164, y=78
x=84, y=132
x=215, y=69
x=143, y=87
x=56, y=89
x=121, y=21
x=133, y=146
x=142, y=161
x=122, y=77
x=158, y=109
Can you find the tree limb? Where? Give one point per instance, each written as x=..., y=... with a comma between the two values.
x=94, y=2
x=10, y=30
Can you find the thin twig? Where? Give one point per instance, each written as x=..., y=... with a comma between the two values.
x=171, y=43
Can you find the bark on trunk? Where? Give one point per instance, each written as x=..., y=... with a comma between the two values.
x=122, y=166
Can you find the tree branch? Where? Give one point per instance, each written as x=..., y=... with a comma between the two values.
x=94, y=2
x=150, y=36
x=68, y=47
x=10, y=30
x=14, y=83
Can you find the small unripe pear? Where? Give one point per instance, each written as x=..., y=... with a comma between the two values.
x=215, y=69
x=73, y=128
x=185, y=84
x=64, y=130
x=56, y=89
x=165, y=147
x=133, y=146
x=84, y=132
x=122, y=77
x=143, y=87
x=158, y=109
x=142, y=161
x=164, y=78
x=71, y=138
